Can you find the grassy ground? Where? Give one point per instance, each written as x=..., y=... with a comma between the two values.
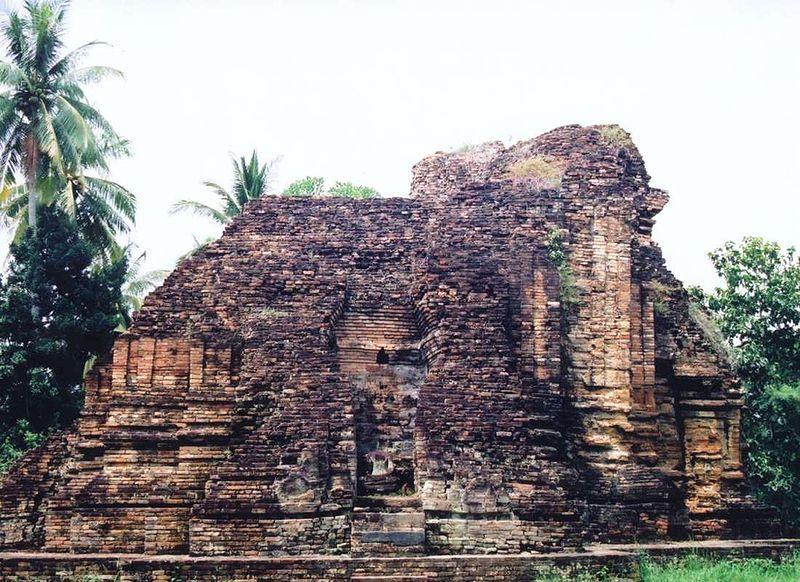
x=690, y=568
x=697, y=569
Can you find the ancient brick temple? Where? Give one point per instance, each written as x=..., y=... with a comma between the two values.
x=499, y=363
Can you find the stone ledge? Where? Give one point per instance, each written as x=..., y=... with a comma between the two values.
x=621, y=558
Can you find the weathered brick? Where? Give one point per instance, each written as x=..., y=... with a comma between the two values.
x=409, y=362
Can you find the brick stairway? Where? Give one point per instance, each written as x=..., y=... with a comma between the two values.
x=389, y=525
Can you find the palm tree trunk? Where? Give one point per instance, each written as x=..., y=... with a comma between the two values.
x=30, y=180
x=33, y=199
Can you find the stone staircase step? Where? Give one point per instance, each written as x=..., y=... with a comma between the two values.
x=392, y=502
x=395, y=538
x=395, y=578
x=381, y=533
x=379, y=521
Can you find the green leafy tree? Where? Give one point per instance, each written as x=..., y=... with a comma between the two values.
x=58, y=309
x=49, y=133
x=350, y=190
x=308, y=186
x=758, y=308
x=758, y=312
x=16, y=441
x=250, y=181
x=314, y=186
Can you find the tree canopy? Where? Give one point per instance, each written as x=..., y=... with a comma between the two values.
x=54, y=145
x=314, y=186
x=758, y=311
x=58, y=309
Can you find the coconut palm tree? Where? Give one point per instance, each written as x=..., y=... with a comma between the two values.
x=49, y=133
x=250, y=181
x=102, y=208
x=137, y=285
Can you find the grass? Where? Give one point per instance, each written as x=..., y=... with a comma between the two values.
x=465, y=148
x=661, y=294
x=710, y=329
x=689, y=568
x=616, y=136
x=544, y=174
x=693, y=568
x=269, y=312
x=577, y=574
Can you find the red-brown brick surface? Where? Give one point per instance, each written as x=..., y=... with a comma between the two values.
x=248, y=411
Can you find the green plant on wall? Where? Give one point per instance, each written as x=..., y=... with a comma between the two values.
x=557, y=253
x=660, y=292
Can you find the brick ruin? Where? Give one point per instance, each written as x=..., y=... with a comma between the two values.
x=499, y=363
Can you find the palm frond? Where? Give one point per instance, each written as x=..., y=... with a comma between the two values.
x=68, y=199
x=92, y=74
x=46, y=20
x=11, y=138
x=251, y=179
x=73, y=122
x=14, y=30
x=49, y=184
x=46, y=136
x=229, y=203
x=72, y=58
x=114, y=194
x=11, y=74
x=97, y=232
x=199, y=245
x=114, y=147
x=146, y=282
x=14, y=204
x=137, y=284
x=20, y=227
x=200, y=209
x=240, y=185
x=100, y=210
x=8, y=111
x=93, y=117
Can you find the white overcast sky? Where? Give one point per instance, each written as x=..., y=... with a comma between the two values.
x=361, y=90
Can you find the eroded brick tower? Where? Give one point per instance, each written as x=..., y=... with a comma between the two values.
x=499, y=363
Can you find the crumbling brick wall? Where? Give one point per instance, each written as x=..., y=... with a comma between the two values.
x=557, y=404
